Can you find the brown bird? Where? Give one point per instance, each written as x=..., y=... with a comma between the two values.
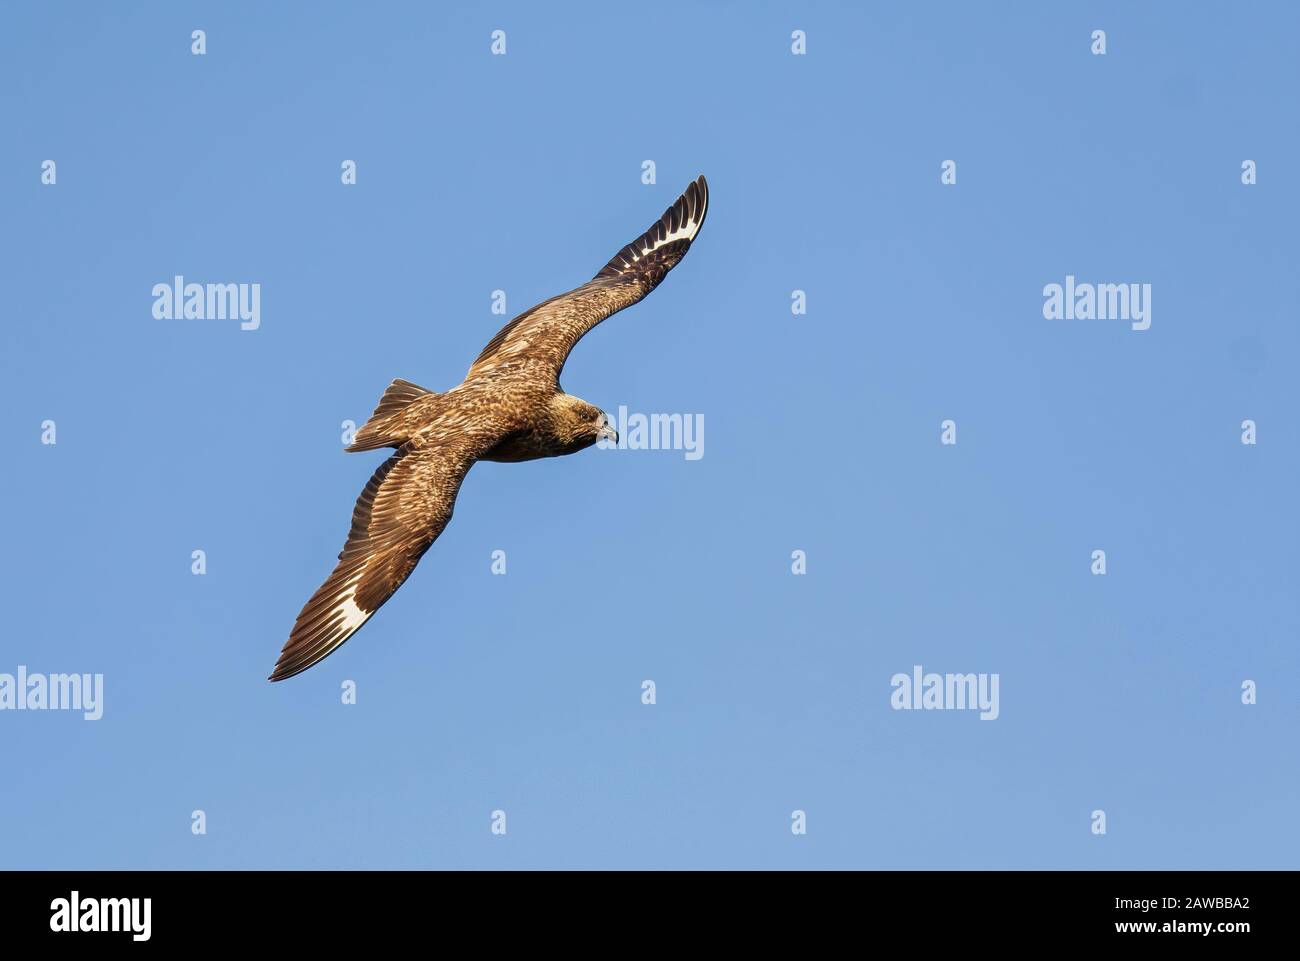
x=509, y=407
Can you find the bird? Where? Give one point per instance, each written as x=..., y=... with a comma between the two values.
x=509, y=408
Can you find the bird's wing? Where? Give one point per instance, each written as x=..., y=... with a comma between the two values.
x=402, y=510
x=547, y=332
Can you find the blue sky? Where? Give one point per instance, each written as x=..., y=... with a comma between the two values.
x=522, y=692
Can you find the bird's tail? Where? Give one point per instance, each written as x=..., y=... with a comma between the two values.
x=384, y=428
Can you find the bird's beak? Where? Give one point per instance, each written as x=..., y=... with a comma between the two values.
x=606, y=431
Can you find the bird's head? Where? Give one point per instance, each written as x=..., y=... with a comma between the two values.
x=578, y=424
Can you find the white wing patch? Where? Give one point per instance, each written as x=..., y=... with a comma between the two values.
x=345, y=617
x=679, y=225
x=686, y=231
x=648, y=243
x=353, y=615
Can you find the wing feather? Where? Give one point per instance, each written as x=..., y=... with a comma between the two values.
x=404, y=507
x=547, y=333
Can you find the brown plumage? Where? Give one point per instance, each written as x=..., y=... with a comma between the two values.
x=509, y=407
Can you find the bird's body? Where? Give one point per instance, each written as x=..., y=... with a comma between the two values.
x=510, y=407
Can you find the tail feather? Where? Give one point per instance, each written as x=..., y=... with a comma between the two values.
x=384, y=428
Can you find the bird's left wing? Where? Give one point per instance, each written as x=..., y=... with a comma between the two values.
x=546, y=333
x=402, y=510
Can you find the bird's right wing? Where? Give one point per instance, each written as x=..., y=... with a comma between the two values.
x=402, y=510
x=547, y=332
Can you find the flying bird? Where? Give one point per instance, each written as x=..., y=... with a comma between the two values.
x=510, y=407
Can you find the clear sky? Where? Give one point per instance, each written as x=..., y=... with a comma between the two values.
x=522, y=692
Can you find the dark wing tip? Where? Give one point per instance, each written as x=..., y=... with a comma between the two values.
x=658, y=250
x=327, y=620
x=702, y=186
x=283, y=673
